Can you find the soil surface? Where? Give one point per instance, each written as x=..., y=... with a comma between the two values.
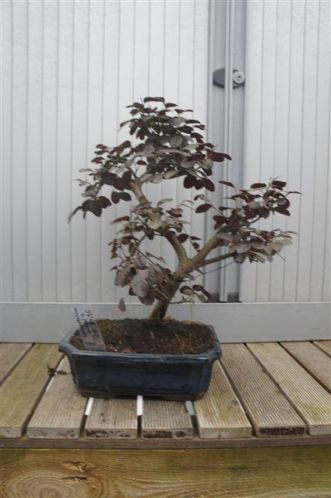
x=149, y=336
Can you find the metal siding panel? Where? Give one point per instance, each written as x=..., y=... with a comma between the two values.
x=75, y=66
x=295, y=117
x=308, y=165
x=49, y=153
x=253, y=110
x=281, y=103
x=79, y=154
x=318, y=252
x=95, y=107
x=171, y=65
x=200, y=82
x=109, y=131
x=6, y=246
x=34, y=207
x=63, y=146
x=156, y=59
x=267, y=131
x=19, y=150
x=287, y=111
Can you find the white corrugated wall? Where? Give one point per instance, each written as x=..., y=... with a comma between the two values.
x=287, y=133
x=69, y=68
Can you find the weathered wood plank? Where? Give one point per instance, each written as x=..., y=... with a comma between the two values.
x=269, y=410
x=140, y=443
x=10, y=355
x=166, y=419
x=112, y=418
x=324, y=346
x=219, y=413
x=313, y=359
x=60, y=411
x=296, y=472
x=22, y=389
x=311, y=400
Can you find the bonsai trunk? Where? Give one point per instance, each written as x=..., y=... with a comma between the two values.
x=160, y=308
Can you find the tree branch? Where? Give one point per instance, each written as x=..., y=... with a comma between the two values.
x=217, y=259
x=211, y=244
x=137, y=190
x=170, y=236
x=177, y=246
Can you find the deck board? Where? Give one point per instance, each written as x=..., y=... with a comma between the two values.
x=313, y=359
x=10, y=355
x=269, y=410
x=22, y=389
x=219, y=413
x=112, y=418
x=311, y=400
x=297, y=472
x=249, y=473
x=166, y=419
x=60, y=411
x=324, y=346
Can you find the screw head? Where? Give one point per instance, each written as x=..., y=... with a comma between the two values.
x=238, y=77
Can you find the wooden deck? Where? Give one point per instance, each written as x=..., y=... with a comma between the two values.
x=261, y=394
x=54, y=443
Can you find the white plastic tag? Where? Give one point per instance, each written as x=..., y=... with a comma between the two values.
x=88, y=329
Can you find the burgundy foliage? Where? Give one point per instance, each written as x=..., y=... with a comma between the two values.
x=167, y=144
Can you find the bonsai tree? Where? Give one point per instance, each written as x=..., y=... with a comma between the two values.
x=168, y=144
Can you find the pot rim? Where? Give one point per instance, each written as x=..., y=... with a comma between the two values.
x=214, y=352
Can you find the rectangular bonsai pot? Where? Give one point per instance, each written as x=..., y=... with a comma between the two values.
x=170, y=376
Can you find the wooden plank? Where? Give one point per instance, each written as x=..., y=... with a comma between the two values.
x=313, y=359
x=112, y=418
x=166, y=419
x=310, y=399
x=60, y=411
x=140, y=443
x=10, y=355
x=219, y=413
x=22, y=389
x=324, y=346
x=296, y=472
x=269, y=410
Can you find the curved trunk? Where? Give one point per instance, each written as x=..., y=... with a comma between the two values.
x=160, y=308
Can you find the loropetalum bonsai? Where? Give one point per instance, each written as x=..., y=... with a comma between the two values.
x=168, y=144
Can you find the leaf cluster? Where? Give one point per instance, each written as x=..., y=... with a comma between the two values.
x=165, y=143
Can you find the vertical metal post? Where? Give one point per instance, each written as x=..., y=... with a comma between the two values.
x=228, y=125
x=227, y=28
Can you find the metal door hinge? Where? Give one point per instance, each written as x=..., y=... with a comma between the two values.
x=238, y=78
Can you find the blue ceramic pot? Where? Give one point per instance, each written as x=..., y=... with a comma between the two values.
x=170, y=376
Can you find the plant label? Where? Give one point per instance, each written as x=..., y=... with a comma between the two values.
x=88, y=329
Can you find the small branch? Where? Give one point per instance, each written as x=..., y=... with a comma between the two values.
x=137, y=190
x=177, y=246
x=218, y=268
x=217, y=259
x=170, y=236
x=199, y=259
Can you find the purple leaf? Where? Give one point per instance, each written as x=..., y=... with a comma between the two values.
x=121, y=305
x=228, y=184
x=189, y=181
x=125, y=196
x=115, y=197
x=208, y=184
x=182, y=237
x=258, y=185
x=203, y=208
